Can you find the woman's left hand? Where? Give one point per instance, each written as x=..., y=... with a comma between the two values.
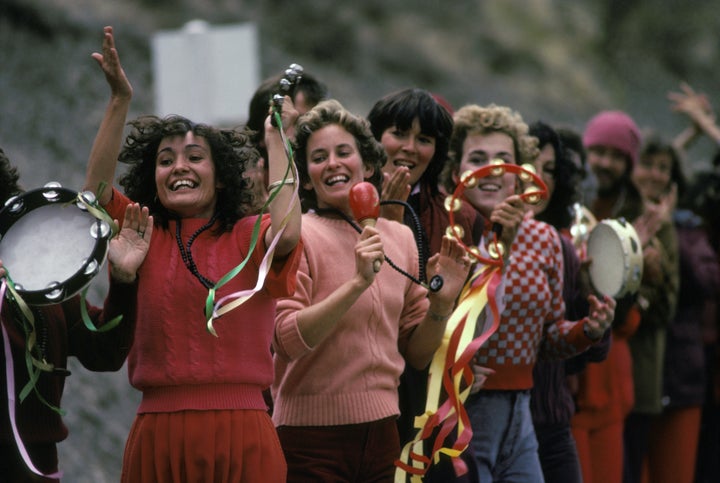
x=128, y=249
x=453, y=264
x=600, y=317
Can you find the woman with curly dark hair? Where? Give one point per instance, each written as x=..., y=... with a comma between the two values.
x=203, y=416
x=551, y=401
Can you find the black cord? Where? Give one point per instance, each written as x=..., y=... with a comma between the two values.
x=186, y=253
x=418, y=232
x=435, y=284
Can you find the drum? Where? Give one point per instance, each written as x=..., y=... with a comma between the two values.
x=51, y=245
x=617, y=258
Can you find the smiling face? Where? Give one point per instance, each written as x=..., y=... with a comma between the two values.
x=545, y=168
x=652, y=175
x=609, y=166
x=411, y=149
x=478, y=151
x=185, y=176
x=334, y=166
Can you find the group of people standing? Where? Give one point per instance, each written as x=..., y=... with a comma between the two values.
x=320, y=373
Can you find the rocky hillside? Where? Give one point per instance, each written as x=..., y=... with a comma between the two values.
x=557, y=60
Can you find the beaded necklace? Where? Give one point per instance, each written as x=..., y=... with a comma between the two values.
x=186, y=253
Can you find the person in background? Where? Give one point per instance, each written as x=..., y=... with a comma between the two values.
x=414, y=129
x=606, y=393
x=571, y=141
x=657, y=176
x=504, y=446
x=202, y=416
x=703, y=221
x=306, y=93
x=674, y=434
x=342, y=340
x=63, y=334
x=551, y=399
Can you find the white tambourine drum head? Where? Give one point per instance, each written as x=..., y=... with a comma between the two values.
x=617, y=260
x=51, y=246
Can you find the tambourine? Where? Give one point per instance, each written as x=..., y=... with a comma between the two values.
x=534, y=191
x=52, y=243
x=617, y=258
x=582, y=224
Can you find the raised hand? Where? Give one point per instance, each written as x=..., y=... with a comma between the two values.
x=453, y=265
x=600, y=316
x=128, y=249
x=693, y=104
x=396, y=186
x=109, y=62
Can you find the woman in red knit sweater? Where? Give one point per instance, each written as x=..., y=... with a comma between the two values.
x=202, y=416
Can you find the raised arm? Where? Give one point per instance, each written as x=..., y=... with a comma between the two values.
x=699, y=111
x=105, y=149
x=285, y=201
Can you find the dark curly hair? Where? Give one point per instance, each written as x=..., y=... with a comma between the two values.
x=231, y=152
x=9, y=178
x=400, y=109
x=332, y=112
x=557, y=212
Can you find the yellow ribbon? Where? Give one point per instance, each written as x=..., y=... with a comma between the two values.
x=450, y=368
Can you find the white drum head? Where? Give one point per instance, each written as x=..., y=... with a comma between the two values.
x=616, y=254
x=50, y=244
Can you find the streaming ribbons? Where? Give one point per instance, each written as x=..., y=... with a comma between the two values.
x=214, y=309
x=444, y=427
x=34, y=367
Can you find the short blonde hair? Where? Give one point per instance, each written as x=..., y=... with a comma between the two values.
x=474, y=119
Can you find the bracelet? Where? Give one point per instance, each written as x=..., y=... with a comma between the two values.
x=438, y=317
x=281, y=182
x=586, y=331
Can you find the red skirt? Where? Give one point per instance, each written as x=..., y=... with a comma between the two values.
x=224, y=446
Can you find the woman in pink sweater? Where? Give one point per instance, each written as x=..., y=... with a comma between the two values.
x=343, y=339
x=202, y=416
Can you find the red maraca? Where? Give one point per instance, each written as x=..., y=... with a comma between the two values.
x=365, y=205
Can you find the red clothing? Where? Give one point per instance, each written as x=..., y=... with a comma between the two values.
x=219, y=454
x=62, y=334
x=606, y=393
x=175, y=361
x=534, y=315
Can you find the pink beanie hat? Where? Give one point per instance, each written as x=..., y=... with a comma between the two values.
x=615, y=129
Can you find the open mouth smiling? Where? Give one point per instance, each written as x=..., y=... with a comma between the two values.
x=489, y=187
x=183, y=184
x=337, y=179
